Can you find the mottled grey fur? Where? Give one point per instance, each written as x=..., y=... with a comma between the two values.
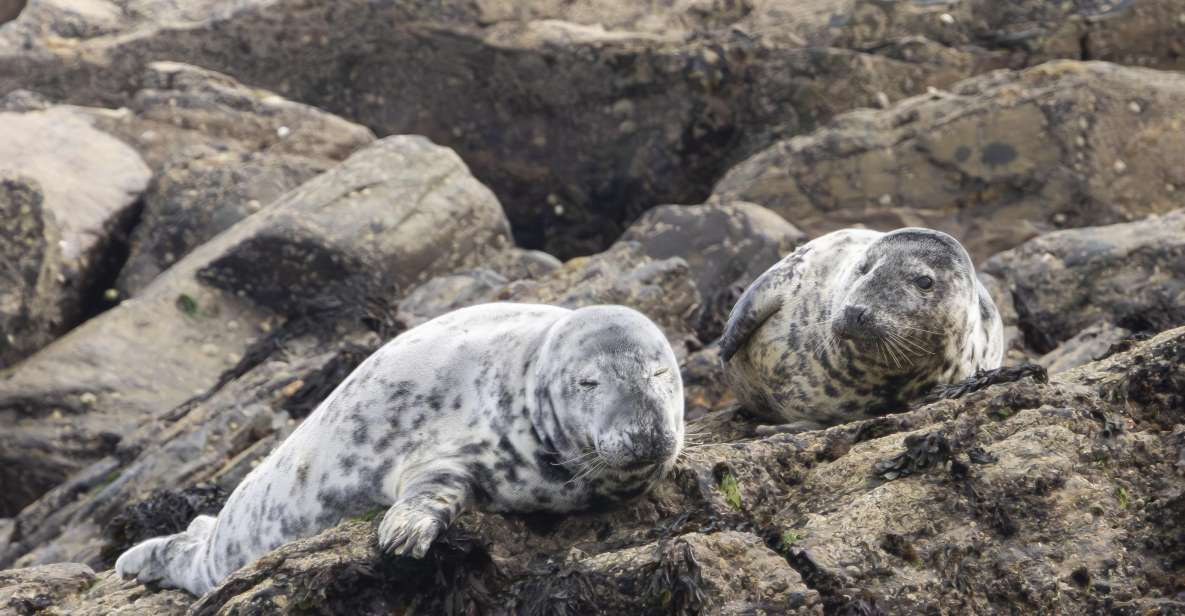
x=843, y=330
x=508, y=406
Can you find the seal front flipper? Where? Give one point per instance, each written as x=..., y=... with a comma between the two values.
x=758, y=303
x=419, y=516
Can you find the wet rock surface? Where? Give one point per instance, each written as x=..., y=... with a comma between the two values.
x=70, y=195
x=1129, y=275
x=659, y=99
x=328, y=245
x=995, y=161
x=199, y=253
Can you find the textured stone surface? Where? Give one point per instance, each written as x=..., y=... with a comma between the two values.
x=71, y=191
x=394, y=214
x=996, y=161
x=658, y=98
x=726, y=247
x=1131, y=275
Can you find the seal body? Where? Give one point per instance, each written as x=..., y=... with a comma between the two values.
x=856, y=324
x=510, y=407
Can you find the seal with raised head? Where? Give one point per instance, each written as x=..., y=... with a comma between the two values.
x=856, y=324
x=510, y=407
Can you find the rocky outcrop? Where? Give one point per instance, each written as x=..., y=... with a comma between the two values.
x=663, y=290
x=1130, y=275
x=1053, y=497
x=37, y=590
x=726, y=247
x=351, y=239
x=70, y=191
x=996, y=161
x=221, y=151
x=658, y=99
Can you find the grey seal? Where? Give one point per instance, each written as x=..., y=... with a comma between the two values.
x=856, y=324
x=510, y=407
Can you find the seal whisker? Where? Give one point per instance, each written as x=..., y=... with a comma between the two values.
x=928, y=331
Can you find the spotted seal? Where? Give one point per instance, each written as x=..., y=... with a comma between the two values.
x=510, y=407
x=856, y=324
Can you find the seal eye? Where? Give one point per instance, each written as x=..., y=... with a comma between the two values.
x=660, y=371
x=588, y=383
x=924, y=283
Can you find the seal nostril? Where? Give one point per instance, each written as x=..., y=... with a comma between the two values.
x=856, y=315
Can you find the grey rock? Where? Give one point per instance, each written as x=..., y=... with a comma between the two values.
x=42, y=589
x=72, y=191
x=997, y=161
x=658, y=99
x=192, y=201
x=726, y=246
x=1131, y=275
x=414, y=212
x=1085, y=347
x=663, y=290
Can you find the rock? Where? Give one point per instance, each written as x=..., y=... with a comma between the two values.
x=726, y=246
x=221, y=151
x=10, y=9
x=1131, y=275
x=1086, y=346
x=40, y=590
x=699, y=572
x=76, y=195
x=193, y=201
x=704, y=387
x=663, y=290
x=414, y=212
x=444, y=294
x=998, y=160
x=1014, y=340
x=206, y=446
x=657, y=102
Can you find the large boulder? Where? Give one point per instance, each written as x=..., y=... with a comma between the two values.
x=74, y=589
x=221, y=151
x=658, y=99
x=996, y=161
x=1130, y=275
x=726, y=246
x=34, y=591
x=663, y=290
x=394, y=214
x=71, y=191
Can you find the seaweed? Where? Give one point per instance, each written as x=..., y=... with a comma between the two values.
x=676, y=585
x=984, y=379
x=164, y=512
x=922, y=453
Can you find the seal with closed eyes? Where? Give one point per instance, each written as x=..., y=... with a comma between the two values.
x=510, y=407
x=857, y=323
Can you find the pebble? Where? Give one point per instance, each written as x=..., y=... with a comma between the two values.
x=1120, y=166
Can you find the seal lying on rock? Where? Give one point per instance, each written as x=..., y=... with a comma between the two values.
x=857, y=323
x=513, y=407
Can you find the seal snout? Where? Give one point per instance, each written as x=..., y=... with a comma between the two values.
x=856, y=322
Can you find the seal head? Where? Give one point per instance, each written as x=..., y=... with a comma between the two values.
x=857, y=323
x=609, y=389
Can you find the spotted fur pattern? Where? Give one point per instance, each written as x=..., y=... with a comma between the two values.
x=510, y=407
x=787, y=345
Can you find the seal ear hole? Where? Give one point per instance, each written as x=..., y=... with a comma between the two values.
x=660, y=371
x=924, y=283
